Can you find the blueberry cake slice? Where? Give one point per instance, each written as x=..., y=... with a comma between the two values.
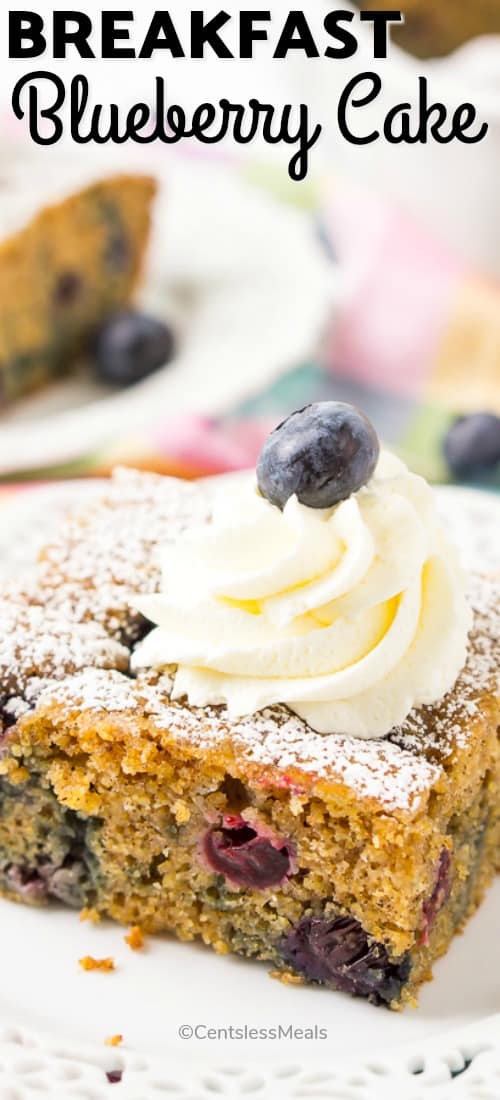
x=64, y=272
x=432, y=29
x=154, y=791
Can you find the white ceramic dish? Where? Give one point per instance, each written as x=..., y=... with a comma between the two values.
x=242, y=276
x=54, y=1018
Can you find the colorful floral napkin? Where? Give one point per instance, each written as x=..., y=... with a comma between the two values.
x=415, y=343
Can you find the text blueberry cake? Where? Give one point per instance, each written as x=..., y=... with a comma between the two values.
x=191, y=778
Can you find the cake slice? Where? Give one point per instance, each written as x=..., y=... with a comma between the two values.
x=434, y=30
x=63, y=272
x=337, y=860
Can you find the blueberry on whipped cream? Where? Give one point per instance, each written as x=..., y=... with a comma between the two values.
x=349, y=614
x=320, y=454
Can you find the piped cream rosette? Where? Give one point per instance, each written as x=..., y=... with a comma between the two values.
x=351, y=616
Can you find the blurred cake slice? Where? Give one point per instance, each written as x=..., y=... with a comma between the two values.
x=432, y=29
x=64, y=271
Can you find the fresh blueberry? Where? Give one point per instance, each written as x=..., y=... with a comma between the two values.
x=244, y=857
x=130, y=346
x=339, y=953
x=472, y=446
x=322, y=453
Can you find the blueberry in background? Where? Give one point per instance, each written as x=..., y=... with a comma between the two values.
x=322, y=453
x=130, y=346
x=324, y=237
x=472, y=445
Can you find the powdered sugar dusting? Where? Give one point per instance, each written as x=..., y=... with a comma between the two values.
x=472, y=520
x=104, y=556
x=93, y=689
x=59, y=649
x=274, y=738
x=34, y=639
x=439, y=728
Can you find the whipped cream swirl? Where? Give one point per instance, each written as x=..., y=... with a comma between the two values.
x=351, y=616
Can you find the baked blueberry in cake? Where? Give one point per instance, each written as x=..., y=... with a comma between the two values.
x=262, y=713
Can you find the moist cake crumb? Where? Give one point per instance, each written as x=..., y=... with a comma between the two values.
x=91, y=915
x=135, y=938
x=325, y=856
x=89, y=963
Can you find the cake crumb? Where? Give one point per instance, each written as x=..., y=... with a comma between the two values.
x=89, y=963
x=135, y=938
x=287, y=977
x=113, y=1040
x=181, y=812
x=91, y=915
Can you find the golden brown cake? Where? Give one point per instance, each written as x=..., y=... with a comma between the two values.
x=65, y=273
x=339, y=861
x=433, y=28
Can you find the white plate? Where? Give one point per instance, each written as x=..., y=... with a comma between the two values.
x=247, y=285
x=368, y=1052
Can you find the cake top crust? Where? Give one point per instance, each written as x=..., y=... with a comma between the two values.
x=105, y=554
x=67, y=634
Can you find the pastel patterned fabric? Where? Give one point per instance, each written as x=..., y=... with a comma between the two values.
x=415, y=343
